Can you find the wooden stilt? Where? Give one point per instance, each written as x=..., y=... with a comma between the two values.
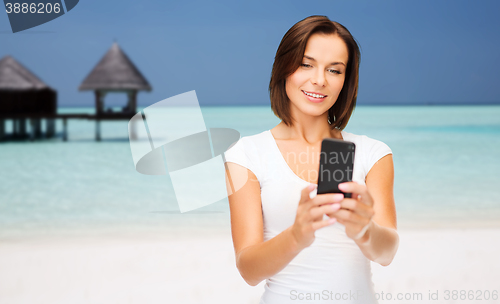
x=50, y=127
x=98, y=130
x=65, y=130
x=15, y=127
x=38, y=127
x=133, y=133
x=2, y=129
x=22, y=127
x=32, y=129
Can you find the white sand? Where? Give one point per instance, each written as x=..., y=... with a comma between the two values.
x=200, y=268
x=439, y=260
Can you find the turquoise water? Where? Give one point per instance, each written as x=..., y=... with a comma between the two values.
x=447, y=164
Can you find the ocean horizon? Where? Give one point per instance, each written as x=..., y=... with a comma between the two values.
x=364, y=104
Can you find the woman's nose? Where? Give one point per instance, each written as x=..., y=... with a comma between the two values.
x=318, y=79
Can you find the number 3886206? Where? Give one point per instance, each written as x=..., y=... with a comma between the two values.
x=32, y=8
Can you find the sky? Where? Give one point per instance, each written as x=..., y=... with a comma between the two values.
x=412, y=52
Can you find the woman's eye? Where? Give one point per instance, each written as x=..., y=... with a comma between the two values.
x=331, y=71
x=335, y=71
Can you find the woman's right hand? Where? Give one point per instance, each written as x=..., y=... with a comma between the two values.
x=310, y=213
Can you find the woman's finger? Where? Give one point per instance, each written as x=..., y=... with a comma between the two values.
x=323, y=223
x=348, y=216
x=305, y=193
x=317, y=212
x=327, y=198
x=357, y=190
x=357, y=207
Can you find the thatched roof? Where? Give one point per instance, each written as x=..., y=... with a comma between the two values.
x=14, y=76
x=115, y=71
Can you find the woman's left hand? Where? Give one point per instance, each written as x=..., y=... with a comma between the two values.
x=356, y=212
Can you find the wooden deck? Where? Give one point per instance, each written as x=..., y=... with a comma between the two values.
x=35, y=123
x=104, y=116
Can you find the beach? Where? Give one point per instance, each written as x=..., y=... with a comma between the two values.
x=198, y=266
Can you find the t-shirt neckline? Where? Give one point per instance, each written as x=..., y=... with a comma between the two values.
x=282, y=159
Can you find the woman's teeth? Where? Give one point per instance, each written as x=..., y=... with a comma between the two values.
x=314, y=95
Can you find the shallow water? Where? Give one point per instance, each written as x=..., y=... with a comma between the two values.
x=447, y=164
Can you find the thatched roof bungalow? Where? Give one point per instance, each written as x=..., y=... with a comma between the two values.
x=115, y=72
x=21, y=92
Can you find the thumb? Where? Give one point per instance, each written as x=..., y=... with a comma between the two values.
x=308, y=193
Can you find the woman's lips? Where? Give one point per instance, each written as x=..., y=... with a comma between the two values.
x=314, y=99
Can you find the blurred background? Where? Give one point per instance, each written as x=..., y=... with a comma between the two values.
x=428, y=89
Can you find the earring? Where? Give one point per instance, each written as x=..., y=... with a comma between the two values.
x=329, y=121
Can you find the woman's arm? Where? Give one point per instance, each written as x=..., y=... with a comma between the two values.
x=379, y=244
x=375, y=208
x=257, y=260
x=381, y=241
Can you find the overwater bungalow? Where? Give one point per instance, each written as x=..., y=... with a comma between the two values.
x=24, y=96
x=115, y=73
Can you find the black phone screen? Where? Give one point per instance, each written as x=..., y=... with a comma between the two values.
x=336, y=165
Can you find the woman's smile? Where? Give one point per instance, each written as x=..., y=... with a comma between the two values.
x=314, y=97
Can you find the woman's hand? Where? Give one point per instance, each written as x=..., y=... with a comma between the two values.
x=310, y=213
x=356, y=212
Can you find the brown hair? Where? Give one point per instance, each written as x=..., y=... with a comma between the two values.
x=289, y=57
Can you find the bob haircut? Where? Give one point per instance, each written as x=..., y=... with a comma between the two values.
x=289, y=57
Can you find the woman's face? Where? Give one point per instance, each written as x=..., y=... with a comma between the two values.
x=321, y=75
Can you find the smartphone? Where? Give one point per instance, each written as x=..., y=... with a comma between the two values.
x=336, y=165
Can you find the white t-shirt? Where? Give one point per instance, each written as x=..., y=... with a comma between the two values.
x=332, y=269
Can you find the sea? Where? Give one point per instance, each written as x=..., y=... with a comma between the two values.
x=446, y=162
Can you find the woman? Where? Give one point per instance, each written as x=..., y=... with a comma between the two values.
x=311, y=247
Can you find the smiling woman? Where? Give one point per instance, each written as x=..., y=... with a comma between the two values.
x=328, y=76
x=312, y=248
x=308, y=41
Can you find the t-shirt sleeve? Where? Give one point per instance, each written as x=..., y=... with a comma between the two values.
x=377, y=150
x=241, y=154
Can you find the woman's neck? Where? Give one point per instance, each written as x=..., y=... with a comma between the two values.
x=310, y=132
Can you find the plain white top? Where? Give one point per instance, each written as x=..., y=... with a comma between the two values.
x=333, y=266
